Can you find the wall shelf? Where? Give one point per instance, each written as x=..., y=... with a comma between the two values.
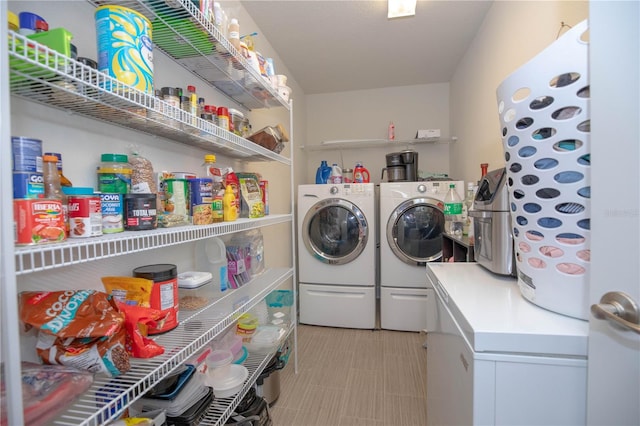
x=39, y=74
x=374, y=143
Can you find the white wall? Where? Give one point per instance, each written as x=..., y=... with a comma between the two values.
x=365, y=114
x=512, y=33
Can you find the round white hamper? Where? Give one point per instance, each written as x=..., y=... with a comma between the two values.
x=545, y=124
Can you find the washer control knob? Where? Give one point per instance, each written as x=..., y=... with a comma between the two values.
x=422, y=188
x=334, y=190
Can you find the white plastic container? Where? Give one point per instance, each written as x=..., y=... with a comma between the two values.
x=195, y=290
x=544, y=109
x=336, y=174
x=211, y=256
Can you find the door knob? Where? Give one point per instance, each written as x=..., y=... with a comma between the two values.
x=619, y=308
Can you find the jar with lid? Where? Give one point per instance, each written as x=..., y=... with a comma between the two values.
x=223, y=118
x=171, y=95
x=114, y=174
x=347, y=176
x=187, y=115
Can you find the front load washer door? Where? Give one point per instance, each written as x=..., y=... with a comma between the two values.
x=335, y=231
x=414, y=231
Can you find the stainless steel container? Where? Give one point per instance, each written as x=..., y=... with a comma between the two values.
x=493, y=246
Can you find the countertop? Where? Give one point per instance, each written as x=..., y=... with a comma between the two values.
x=495, y=318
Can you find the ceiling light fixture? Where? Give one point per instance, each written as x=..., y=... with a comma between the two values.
x=400, y=8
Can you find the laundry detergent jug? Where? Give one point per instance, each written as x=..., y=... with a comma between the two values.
x=323, y=172
x=361, y=174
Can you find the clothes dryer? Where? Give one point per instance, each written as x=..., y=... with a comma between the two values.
x=411, y=227
x=337, y=255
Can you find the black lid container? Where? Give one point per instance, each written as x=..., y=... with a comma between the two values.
x=164, y=293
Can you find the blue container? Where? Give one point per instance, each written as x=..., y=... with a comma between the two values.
x=323, y=172
x=26, y=154
x=28, y=185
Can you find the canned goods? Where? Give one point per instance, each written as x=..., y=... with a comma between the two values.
x=26, y=154
x=164, y=293
x=201, y=196
x=112, y=206
x=38, y=221
x=85, y=213
x=176, y=196
x=140, y=212
x=28, y=185
x=125, y=49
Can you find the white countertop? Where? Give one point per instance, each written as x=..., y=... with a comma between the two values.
x=496, y=318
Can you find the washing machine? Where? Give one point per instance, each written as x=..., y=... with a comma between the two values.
x=411, y=227
x=337, y=255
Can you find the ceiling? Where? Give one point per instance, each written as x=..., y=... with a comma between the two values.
x=343, y=45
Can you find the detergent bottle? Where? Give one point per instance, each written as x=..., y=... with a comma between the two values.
x=323, y=172
x=360, y=173
x=336, y=174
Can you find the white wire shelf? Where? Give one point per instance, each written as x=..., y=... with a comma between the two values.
x=375, y=143
x=108, y=397
x=43, y=75
x=74, y=251
x=184, y=34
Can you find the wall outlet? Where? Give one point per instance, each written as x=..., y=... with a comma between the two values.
x=428, y=134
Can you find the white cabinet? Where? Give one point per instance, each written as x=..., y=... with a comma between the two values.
x=70, y=264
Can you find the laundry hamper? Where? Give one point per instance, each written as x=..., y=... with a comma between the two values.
x=544, y=116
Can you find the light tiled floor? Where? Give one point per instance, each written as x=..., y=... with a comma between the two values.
x=349, y=377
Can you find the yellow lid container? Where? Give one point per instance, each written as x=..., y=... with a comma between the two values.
x=14, y=22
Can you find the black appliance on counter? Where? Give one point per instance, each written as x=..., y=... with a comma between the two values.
x=401, y=166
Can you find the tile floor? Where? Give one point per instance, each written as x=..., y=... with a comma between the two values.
x=354, y=377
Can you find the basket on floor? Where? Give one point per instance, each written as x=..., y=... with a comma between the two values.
x=545, y=122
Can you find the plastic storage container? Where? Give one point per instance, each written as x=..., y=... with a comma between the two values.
x=114, y=174
x=279, y=304
x=164, y=293
x=195, y=290
x=545, y=119
x=211, y=256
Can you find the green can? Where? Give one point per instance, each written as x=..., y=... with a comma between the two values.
x=114, y=174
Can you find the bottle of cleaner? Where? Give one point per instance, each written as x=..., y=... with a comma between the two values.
x=230, y=205
x=211, y=256
x=336, y=174
x=361, y=174
x=323, y=172
x=453, y=212
x=392, y=131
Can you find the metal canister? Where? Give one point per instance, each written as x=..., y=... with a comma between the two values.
x=85, y=213
x=201, y=200
x=112, y=206
x=28, y=182
x=125, y=49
